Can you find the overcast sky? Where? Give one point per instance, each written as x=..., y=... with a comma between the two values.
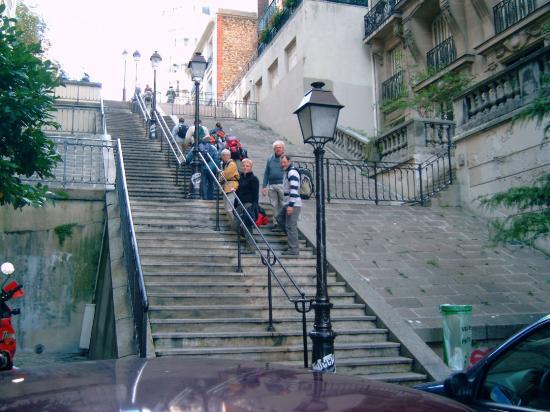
x=91, y=35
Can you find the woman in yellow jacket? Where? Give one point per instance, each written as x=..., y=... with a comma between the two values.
x=229, y=179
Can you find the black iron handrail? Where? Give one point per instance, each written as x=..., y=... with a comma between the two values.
x=348, y=179
x=441, y=55
x=218, y=108
x=509, y=12
x=136, y=283
x=378, y=15
x=269, y=258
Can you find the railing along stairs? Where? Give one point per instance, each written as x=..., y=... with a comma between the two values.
x=275, y=268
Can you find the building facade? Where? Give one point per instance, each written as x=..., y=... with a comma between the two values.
x=227, y=43
x=296, y=47
x=501, y=50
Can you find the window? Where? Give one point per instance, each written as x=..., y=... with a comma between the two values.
x=206, y=10
x=273, y=71
x=290, y=53
x=440, y=30
x=258, y=89
x=395, y=57
x=521, y=376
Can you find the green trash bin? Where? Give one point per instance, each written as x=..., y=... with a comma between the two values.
x=457, y=335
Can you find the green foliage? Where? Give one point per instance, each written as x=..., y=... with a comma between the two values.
x=539, y=108
x=436, y=99
x=532, y=220
x=276, y=19
x=31, y=26
x=290, y=3
x=26, y=98
x=263, y=35
x=64, y=231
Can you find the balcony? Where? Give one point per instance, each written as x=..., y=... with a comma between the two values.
x=378, y=15
x=441, y=55
x=509, y=12
x=392, y=88
x=496, y=98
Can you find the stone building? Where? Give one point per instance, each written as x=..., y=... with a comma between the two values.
x=227, y=43
x=501, y=47
x=302, y=41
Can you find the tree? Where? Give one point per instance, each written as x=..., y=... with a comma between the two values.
x=532, y=203
x=33, y=28
x=26, y=99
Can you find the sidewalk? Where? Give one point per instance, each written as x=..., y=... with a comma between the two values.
x=415, y=258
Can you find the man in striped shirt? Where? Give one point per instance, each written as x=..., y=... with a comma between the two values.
x=292, y=205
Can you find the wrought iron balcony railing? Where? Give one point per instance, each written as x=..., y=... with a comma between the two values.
x=379, y=13
x=441, y=55
x=509, y=12
x=392, y=88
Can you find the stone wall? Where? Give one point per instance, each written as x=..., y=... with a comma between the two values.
x=236, y=41
x=55, y=251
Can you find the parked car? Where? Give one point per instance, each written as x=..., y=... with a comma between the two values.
x=513, y=377
x=208, y=384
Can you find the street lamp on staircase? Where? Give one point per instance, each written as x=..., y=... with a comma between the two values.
x=318, y=116
x=155, y=62
x=197, y=65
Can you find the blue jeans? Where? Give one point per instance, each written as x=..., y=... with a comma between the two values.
x=207, y=185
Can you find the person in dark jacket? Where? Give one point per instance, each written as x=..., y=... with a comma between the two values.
x=248, y=193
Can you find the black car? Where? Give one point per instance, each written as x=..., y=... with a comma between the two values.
x=514, y=377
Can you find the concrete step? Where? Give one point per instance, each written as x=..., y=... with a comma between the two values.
x=193, y=298
x=173, y=340
x=207, y=269
x=244, y=311
x=190, y=325
x=284, y=353
x=185, y=256
x=193, y=275
x=249, y=285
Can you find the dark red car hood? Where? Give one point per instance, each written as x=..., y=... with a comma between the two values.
x=172, y=384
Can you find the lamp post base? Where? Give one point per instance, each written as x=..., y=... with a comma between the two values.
x=322, y=338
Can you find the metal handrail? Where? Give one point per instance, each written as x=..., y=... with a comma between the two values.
x=269, y=259
x=380, y=181
x=136, y=283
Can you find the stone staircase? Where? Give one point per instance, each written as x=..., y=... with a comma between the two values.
x=200, y=306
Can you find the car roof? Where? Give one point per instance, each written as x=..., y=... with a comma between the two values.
x=203, y=384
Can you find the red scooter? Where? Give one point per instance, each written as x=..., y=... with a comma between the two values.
x=11, y=290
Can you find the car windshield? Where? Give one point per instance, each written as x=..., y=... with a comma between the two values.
x=521, y=376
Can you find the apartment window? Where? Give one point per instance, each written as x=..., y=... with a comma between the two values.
x=290, y=53
x=258, y=92
x=440, y=30
x=396, y=58
x=273, y=72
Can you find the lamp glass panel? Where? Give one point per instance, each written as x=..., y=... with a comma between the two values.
x=323, y=120
x=198, y=69
x=304, y=117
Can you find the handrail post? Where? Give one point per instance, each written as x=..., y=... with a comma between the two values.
x=239, y=267
x=177, y=173
x=375, y=185
x=420, y=183
x=270, y=327
x=217, y=229
x=65, y=145
x=304, y=331
x=449, y=147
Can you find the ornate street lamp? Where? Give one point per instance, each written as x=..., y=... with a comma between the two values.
x=197, y=65
x=137, y=58
x=318, y=115
x=155, y=61
x=124, y=56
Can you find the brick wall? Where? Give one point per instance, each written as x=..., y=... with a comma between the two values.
x=236, y=41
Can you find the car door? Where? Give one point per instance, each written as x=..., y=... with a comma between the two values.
x=519, y=378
